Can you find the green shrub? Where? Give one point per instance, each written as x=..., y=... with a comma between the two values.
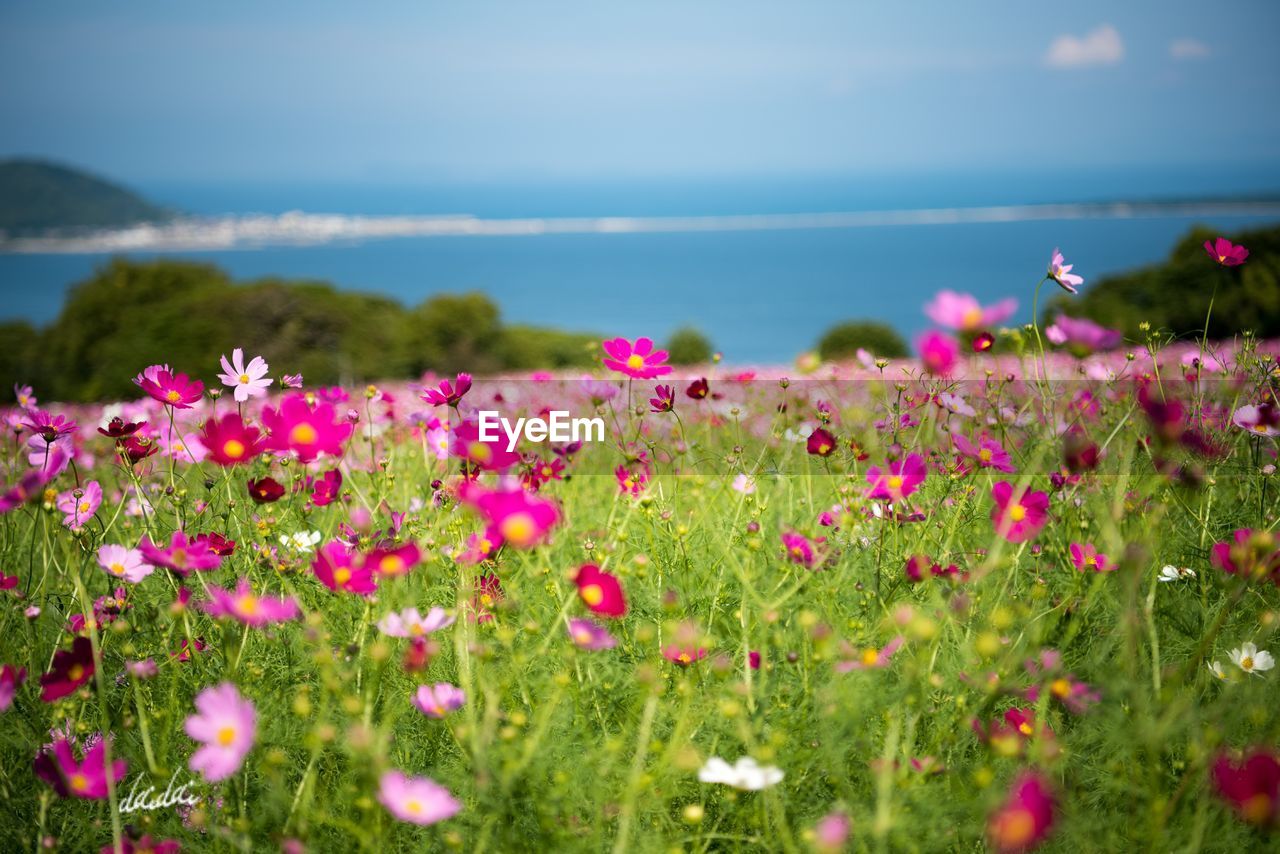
x=843, y=340
x=688, y=346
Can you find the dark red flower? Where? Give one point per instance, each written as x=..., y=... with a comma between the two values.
x=71, y=669
x=1252, y=788
x=119, y=429
x=265, y=490
x=698, y=389
x=821, y=443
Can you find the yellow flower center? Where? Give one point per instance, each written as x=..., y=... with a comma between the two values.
x=1017, y=828
x=480, y=452
x=1017, y=512
x=895, y=482
x=1025, y=728
x=582, y=636
x=303, y=434
x=518, y=529
x=76, y=672
x=1091, y=560
x=972, y=317
x=592, y=594
x=391, y=565
x=870, y=656
x=985, y=455
x=1222, y=258
x=116, y=569
x=1246, y=663
x=247, y=604
x=342, y=575
x=79, y=782
x=684, y=658
x=226, y=735
x=1060, y=687
x=635, y=362
x=173, y=396
x=413, y=805
x=1257, y=808
x=233, y=448
x=244, y=378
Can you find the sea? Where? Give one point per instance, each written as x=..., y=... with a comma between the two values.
x=762, y=294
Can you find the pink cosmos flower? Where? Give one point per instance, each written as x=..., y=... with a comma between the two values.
x=47, y=426
x=182, y=557
x=410, y=623
x=176, y=390
x=121, y=562
x=1026, y=817
x=1085, y=556
x=226, y=724
x=1261, y=420
x=1019, y=517
x=391, y=561
x=632, y=480
x=586, y=634
x=57, y=766
x=419, y=800
x=986, y=452
x=490, y=454
x=832, y=832
x=11, y=679
x=1082, y=333
x=32, y=484
x=898, y=479
x=665, y=400
x=338, y=569
x=1225, y=252
x=230, y=441
x=640, y=360
x=144, y=844
x=241, y=604
x=871, y=658
x=1248, y=555
x=25, y=396
x=436, y=701
x=248, y=380
x=1061, y=273
x=307, y=432
x=514, y=517
x=291, y=381
x=962, y=312
x=939, y=352
x=79, y=505
x=446, y=393
x=683, y=654
x=1251, y=785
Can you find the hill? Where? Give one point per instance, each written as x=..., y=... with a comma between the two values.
x=37, y=196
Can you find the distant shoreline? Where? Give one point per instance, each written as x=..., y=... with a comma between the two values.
x=296, y=228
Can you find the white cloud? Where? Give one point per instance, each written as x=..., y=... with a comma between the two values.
x=1103, y=46
x=1188, y=49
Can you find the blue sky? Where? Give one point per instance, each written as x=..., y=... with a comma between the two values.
x=152, y=90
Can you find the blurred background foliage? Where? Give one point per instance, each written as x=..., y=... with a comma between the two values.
x=133, y=314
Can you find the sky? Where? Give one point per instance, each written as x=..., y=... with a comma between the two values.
x=390, y=92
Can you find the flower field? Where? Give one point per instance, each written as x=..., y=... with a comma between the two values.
x=1018, y=593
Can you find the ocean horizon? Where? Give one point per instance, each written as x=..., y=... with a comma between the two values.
x=762, y=267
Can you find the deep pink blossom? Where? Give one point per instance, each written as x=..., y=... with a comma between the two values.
x=1018, y=516
x=87, y=778
x=1225, y=252
x=307, y=432
x=898, y=479
x=182, y=557
x=638, y=360
x=253, y=610
x=176, y=390
x=964, y=313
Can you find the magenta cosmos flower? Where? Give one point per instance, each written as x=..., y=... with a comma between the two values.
x=514, y=517
x=229, y=440
x=419, y=800
x=307, y=432
x=225, y=724
x=871, y=658
x=183, y=556
x=79, y=505
x=586, y=634
x=820, y=443
x=1251, y=786
x=1225, y=252
x=939, y=352
x=986, y=452
x=49, y=427
x=339, y=569
x=11, y=679
x=898, y=479
x=1085, y=556
x=1248, y=555
x=1026, y=817
x=964, y=313
x=125, y=563
x=57, y=766
x=241, y=604
x=176, y=390
x=1018, y=517
x=446, y=393
x=799, y=549
x=638, y=360
x=1060, y=272
x=248, y=380
x=71, y=669
x=436, y=701
x=600, y=591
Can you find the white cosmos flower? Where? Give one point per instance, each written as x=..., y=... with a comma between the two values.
x=743, y=774
x=1216, y=669
x=247, y=380
x=1175, y=573
x=1250, y=659
x=302, y=541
